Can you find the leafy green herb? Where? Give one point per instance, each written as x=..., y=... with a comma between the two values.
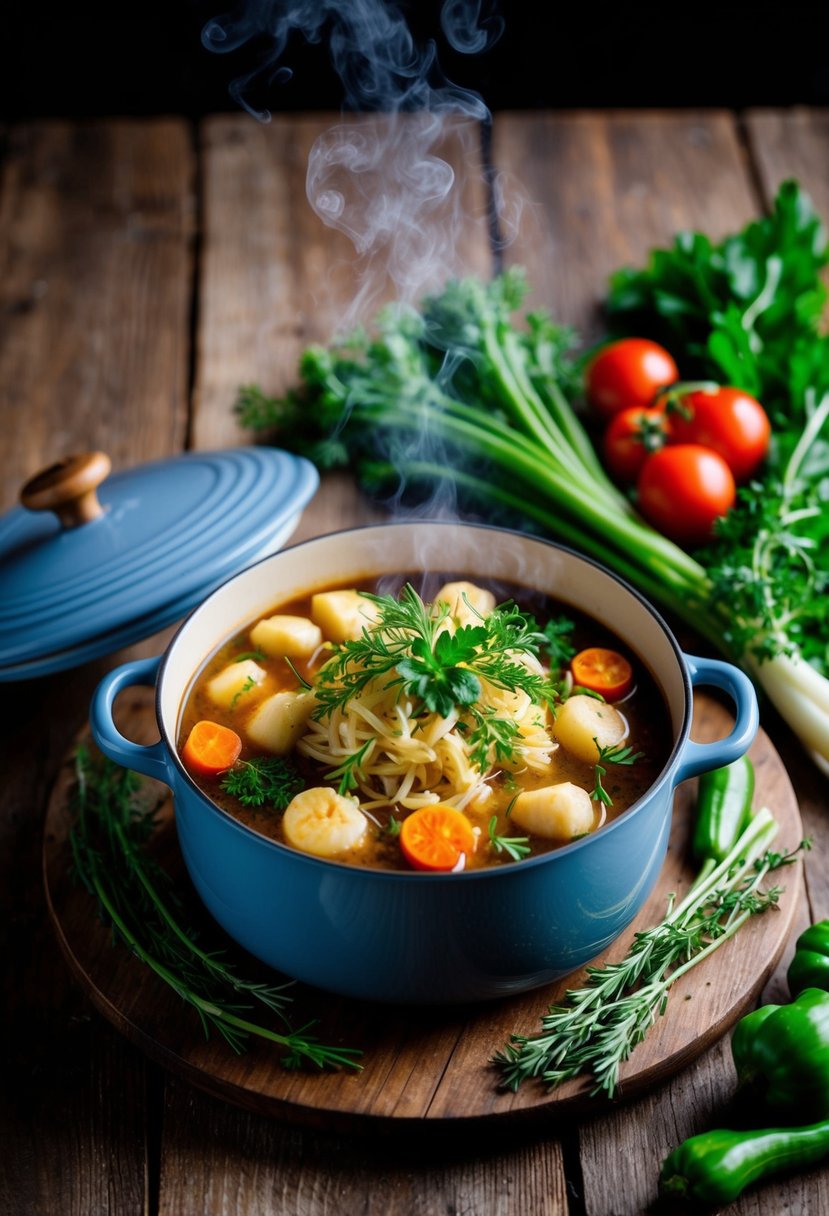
x=492, y=739
x=112, y=828
x=392, y=828
x=598, y=1026
x=258, y=656
x=441, y=669
x=301, y=681
x=263, y=780
x=515, y=847
x=348, y=772
x=614, y=754
x=558, y=642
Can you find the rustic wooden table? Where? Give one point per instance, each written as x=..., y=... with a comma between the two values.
x=149, y=268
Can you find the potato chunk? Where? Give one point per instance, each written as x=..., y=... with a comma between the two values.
x=323, y=822
x=556, y=812
x=294, y=636
x=235, y=682
x=342, y=615
x=456, y=595
x=583, y=725
x=280, y=720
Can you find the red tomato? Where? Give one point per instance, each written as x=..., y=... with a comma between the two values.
x=682, y=489
x=631, y=436
x=728, y=421
x=630, y=372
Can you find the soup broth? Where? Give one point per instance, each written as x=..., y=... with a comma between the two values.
x=487, y=775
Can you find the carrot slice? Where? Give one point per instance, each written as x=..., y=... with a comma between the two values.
x=601, y=670
x=434, y=837
x=211, y=749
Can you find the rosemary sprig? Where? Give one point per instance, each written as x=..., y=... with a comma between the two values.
x=108, y=840
x=598, y=1025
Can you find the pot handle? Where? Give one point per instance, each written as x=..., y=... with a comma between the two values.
x=150, y=760
x=698, y=758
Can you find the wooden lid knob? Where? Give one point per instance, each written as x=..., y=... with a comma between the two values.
x=69, y=488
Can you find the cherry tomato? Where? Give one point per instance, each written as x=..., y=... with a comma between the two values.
x=727, y=420
x=602, y=670
x=630, y=372
x=630, y=436
x=682, y=489
x=436, y=837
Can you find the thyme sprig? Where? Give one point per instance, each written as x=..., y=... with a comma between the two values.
x=515, y=847
x=614, y=753
x=112, y=827
x=598, y=1025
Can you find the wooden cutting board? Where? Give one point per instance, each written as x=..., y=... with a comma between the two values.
x=425, y=1067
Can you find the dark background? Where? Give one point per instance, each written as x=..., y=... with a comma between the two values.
x=126, y=58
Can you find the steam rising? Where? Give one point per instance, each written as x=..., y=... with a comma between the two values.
x=381, y=176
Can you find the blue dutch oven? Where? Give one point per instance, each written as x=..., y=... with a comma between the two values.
x=416, y=937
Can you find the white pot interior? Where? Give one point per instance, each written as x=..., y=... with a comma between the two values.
x=461, y=549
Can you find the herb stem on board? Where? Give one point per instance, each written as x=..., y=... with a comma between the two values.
x=598, y=1025
x=111, y=830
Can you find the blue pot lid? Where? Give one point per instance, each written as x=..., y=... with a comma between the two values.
x=168, y=533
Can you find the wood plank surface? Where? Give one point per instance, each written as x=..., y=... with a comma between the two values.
x=275, y=278
x=95, y=223
x=600, y=190
x=96, y=284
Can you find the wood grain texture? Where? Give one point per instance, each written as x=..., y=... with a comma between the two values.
x=275, y=278
x=791, y=144
x=254, y=1165
x=95, y=228
x=601, y=189
x=421, y=1066
x=95, y=281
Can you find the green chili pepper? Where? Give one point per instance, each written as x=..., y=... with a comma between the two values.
x=781, y=1053
x=717, y=1166
x=810, y=966
x=723, y=808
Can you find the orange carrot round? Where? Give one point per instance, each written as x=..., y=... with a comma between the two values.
x=210, y=749
x=435, y=837
x=602, y=670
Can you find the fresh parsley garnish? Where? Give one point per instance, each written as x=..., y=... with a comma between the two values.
x=515, y=847
x=412, y=643
x=263, y=780
x=258, y=656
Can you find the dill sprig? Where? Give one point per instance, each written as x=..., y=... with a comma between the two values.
x=442, y=669
x=263, y=780
x=111, y=830
x=598, y=1025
